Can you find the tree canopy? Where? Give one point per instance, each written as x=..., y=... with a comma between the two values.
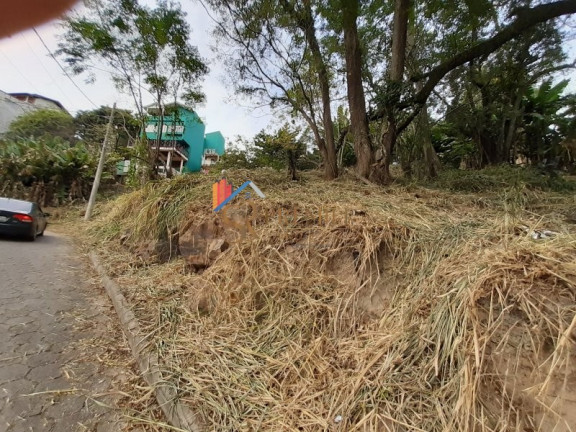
x=42, y=123
x=147, y=48
x=91, y=126
x=470, y=64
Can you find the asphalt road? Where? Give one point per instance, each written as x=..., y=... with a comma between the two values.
x=51, y=377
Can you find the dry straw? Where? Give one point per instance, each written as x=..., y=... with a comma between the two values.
x=410, y=309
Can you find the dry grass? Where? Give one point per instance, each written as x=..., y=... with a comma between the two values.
x=408, y=309
x=120, y=390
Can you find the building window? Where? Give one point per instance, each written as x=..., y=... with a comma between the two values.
x=173, y=129
x=166, y=129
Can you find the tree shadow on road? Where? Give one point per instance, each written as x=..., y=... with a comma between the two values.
x=49, y=238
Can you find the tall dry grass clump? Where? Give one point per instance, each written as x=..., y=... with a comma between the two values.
x=397, y=310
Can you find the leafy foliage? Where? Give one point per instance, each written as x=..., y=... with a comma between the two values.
x=91, y=126
x=542, y=117
x=501, y=177
x=51, y=157
x=282, y=149
x=468, y=63
x=42, y=123
x=235, y=157
x=454, y=148
x=52, y=169
x=148, y=48
x=273, y=55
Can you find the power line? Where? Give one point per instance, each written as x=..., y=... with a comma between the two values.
x=19, y=71
x=62, y=92
x=117, y=75
x=63, y=70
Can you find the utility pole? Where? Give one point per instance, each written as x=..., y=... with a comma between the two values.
x=100, y=168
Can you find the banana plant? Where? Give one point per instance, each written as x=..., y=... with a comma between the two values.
x=44, y=161
x=542, y=120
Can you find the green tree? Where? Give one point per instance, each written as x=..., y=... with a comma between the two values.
x=282, y=149
x=91, y=127
x=400, y=103
x=294, y=53
x=345, y=144
x=485, y=99
x=41, y=124
x=123, y=141
x=274, y=54
x=147, y=48
x=238, y=154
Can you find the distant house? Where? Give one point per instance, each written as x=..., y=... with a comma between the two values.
x=38, y=101
x=13, y=105
x=184, y=147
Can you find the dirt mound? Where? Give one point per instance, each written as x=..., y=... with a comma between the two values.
x=339, y=312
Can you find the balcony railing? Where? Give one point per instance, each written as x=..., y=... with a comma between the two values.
x=176, y=145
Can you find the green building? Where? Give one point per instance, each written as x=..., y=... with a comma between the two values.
x=184, y=147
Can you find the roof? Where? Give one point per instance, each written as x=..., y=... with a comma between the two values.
x=10, y=109
x=37, y=96
x=172, y=104
x=215, y=133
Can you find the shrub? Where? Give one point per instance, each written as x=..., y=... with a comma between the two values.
x=42, y=124
x=502, y=176
x=51, y=167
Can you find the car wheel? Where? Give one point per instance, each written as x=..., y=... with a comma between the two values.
x=33, y=234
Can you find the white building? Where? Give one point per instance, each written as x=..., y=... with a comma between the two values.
x=13, y=105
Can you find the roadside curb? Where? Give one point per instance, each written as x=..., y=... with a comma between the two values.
x=166, y=393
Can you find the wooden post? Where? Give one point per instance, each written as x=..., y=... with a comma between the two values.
x=169, y=164
x=100, y=168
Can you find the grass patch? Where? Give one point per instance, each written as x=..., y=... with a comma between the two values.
x=495, y=178
x=407, y=309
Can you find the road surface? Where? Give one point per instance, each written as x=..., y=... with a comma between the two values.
x=51, y=378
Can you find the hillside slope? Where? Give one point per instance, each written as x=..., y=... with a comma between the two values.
x=341, y=306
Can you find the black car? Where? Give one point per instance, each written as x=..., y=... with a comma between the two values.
x=21, y=218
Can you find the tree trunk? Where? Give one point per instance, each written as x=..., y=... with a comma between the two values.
x=156, y=153
x=489, y=151
x=292, y=172
x=512, y=128
x=395, y=76
x=330, y=161
x=318, y=138
x=421, y=148
x=356, y=97
x=431, y=161
x=388, y=139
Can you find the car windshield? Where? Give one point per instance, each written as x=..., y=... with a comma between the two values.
x=15, y=205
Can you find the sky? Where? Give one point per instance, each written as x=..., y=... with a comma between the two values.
x=26, y=67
